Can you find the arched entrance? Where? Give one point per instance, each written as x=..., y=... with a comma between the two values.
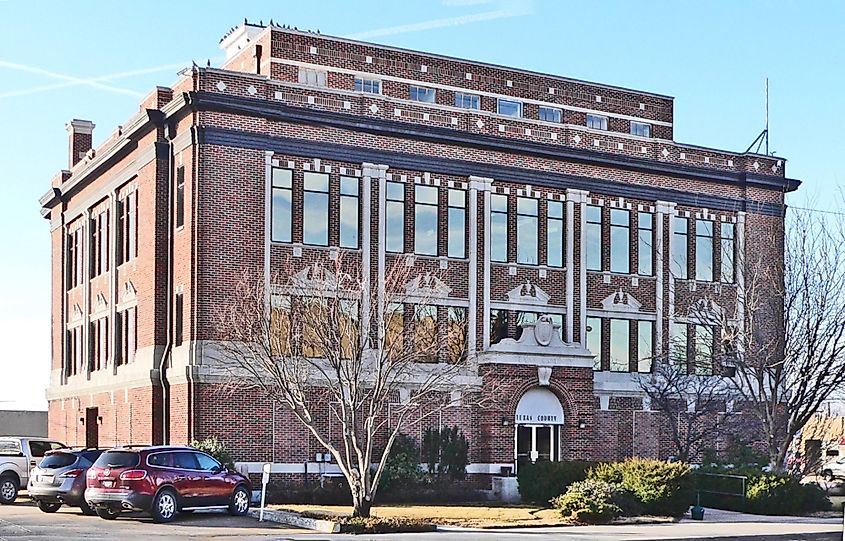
x=538, y=423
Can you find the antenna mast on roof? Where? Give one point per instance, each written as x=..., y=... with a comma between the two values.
x=764, y=135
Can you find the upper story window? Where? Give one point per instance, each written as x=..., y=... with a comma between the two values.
x=597, y=122
x=425, y=220
x=549, y=114
x=349, y=219
x=620, y=345
x=421, y=93
x=312, y=77
x=704, y=250
x=678, y=346
x=467, y=101
x=126, y=335
x=498, y=227
x=282, y=186
x=127, y=228
x=704, y=349
x=315, y=209
x=593, y=233
x=554, y=234
x=395, y=216
x=594, y=340
x=370, y=86
x=179, y=319
x=645, y=243
x=620, y=241
x=640, y=128
x=678, y=253
x=509, y=108
x=645, y=345
x=180, y=196
x=728, y=252
x=98, y=352
x=457, y=223
x=99, y=252
x=526, y=230
x=73, y=351
x=425, y=330
x=74, y=258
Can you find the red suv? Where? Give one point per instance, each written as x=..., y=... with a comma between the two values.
x=163, y=481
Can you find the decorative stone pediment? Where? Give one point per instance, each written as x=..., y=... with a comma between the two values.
x=129, y=292
x=427, y=286
x=621, y=302
x=528, y=293
x=75, y=313
x=309, y=278
x=101, y=303
x=705, y=311
x=537, y=336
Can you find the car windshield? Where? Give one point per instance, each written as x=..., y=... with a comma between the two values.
x=9, y=447
x=117, y=459
x=57, y=460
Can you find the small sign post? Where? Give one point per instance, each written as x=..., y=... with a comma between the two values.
x=265, y=478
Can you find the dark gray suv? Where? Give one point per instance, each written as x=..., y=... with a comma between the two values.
x=60, y=479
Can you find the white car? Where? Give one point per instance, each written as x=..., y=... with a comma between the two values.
x=833, y=469
x=18, y=455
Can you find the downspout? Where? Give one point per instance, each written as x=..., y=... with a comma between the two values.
x=168, y=296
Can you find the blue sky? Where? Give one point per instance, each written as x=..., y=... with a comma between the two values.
x=93, y=60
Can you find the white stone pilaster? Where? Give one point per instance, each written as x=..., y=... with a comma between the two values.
x=573, y=196
x=582, y=320
x=268, y=224
x=372, y=171
x=739, y=270
x=475, y=184
x=486, y=185
x=663, y=210
x=86, y=300
x=113, y=283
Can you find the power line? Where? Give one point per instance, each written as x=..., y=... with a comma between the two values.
x=837, y=213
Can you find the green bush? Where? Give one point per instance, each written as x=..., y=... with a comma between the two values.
x=215, y=448
x=782, y=494
x=374, y=525
x=403, y=464
x=542, y=481
x=594, y=502
x=663, y=488
x=446, y=451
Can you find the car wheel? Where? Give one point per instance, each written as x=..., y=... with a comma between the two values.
x=48, y=507
x=87, y=509
x=240, y=502
x=164, y=506
x=828, y=476
x=8, y=489
x=107, y=513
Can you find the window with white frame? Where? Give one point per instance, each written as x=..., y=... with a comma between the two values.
x=728, y=252
x=349, y=212
x=99, y=242
x=526, y=230
x=704, y=250
x=74, y=258
x=422, y=93
x=680, y=240
x=456, y=223
x=554, y=234
x=467, y=101
x=597, y=122
x=641, y=129
x=425, y=220
x=498, y=227
x=369, y=86
x=645, y=243
x=98, y=353
x=620, y=241
x=315, y=209
x=510, y=108
x=549, y=114
x=703, y=350
x=126, y=335
x=594, y=340
x=312, y=77
x=395, y=219
x=127, y=228
x=593, y=233
x=282, y=196
x=620, y=345
x=645, y=345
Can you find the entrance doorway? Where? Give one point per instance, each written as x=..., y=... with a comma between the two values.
x=539, y=420
x=92, y=427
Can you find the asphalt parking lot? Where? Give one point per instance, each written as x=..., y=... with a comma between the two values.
x=23, y=521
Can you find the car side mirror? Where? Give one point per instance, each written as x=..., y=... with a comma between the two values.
x=218, y=468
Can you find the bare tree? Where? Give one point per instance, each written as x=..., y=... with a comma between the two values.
x=788, y=348
x=376, y=353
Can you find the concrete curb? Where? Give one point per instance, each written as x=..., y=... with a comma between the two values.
x=295, y=519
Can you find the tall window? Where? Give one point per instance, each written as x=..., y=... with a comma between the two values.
x=178, y=316
x=509, y=108
x=594, y=340
x=349, y=205
x=425, y=220
x=526, y=230
x=703, y=350
x=597, y=122
x=645, y=345
x=498, y=227
x=421, y=93
x=282, y=196
x=640, y=128
x=728, y=245
x=126, y=334
x=620, y=241
x=425, y=330
x=645, y=243
x=180, y=196
x=704, y=250
x=678, y=265
x=370, y=86
x=467, y=101
x=678, y=346
x=395, y=221
x=73, y=352
x=280, y=309
x=315, y=209
x=620, y=345
x=74, y=258
x=127, y=228
x=457, y=223
x=554, y=234
x=549, y=114
x=312, y=77
x=457, y=334
x=593, y=233
x=394, y=329
x=99, y=260
x=98, y=350
x=498, y=325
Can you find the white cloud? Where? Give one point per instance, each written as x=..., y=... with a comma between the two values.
x=522, y=9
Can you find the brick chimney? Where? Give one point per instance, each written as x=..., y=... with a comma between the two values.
x=80, y=139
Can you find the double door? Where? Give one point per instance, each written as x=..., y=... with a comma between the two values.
x=537, y=442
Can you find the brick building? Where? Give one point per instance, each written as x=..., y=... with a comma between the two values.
x=576, y=236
